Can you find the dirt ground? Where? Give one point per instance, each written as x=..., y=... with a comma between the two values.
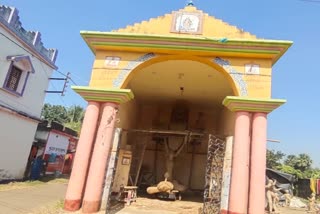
x=292, y=211
x=155, y=206
x=20, y=195
x=146, y=205
x=152, y=205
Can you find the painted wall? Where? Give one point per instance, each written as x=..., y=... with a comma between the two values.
x=16, y=147
x=111, y=68
x=57, y=144
x=104, y=74
x=212, y=27
x=55, y=151
x=257, y=86
x=16, y=137
x=127, y=119
x=226, y=122
x=154, y=161
x=158, y=117
x=36, y=85
x=127, y=115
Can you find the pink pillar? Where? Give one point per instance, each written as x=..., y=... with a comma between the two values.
x=258, y=163
x=82, y=157
x=239, y=186
x=96, y=176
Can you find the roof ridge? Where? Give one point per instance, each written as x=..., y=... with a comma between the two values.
x=149, y=26
x=9, y=17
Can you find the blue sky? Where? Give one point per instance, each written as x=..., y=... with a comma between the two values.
x=295, y=76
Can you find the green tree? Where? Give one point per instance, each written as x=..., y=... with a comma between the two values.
x=70, y=117
x=300, y=162
x=312, y=173
x=56, y=113
x=299, y=165
x=290, y=170
x=274, y=159
x=290, y=160
x=75, y=118
x=75, y=113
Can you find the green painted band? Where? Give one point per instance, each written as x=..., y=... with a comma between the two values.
x=87, y=34
x=104, y=94
x=252, y=100
x=252, y=104
x=185, y=48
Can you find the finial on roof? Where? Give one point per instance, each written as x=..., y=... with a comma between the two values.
x=190, y=3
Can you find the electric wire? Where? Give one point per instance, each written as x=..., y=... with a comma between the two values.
x=51, y=83
x=44, y=71
x=311, y=1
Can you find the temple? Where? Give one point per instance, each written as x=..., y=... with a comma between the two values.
x=185, y=84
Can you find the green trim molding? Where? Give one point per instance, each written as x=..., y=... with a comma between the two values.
x=104, y=94
x=234, y=103
x=273, y=49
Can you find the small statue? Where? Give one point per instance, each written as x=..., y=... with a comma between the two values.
x=288, y=198
x=272, y=196
x=312, y=207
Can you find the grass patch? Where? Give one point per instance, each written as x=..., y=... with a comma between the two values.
x=29, y=184
x=55, y=208
x=19, y=185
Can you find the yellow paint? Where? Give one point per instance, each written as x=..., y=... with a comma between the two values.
x=102, y=75
x=212, y=27
x=128, y=115
x=226, y=127
x=258, y=86
x=166, y=73
x=163, y=58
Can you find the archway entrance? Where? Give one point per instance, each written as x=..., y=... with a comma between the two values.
x=172, y=124
x=179, y=75
x=168, y=81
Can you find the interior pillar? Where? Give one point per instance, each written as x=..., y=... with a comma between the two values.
x=81, y=161
x=239, y=188
x=258, y=163
x=94, y=186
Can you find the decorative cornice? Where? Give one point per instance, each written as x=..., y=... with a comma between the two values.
x=234, y=103
x=26, y=62
x=104, y=94
x=10, y=20
x=272, y=49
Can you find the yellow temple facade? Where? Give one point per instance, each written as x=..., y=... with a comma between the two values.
x=187, y=80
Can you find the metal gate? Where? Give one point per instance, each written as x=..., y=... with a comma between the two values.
x=214, y=175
